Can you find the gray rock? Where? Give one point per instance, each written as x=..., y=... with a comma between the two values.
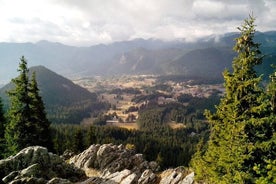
x=59, y=181
x=176, y=176
x=116, y=164
x=189, y=179
x=97, y=180
x=147, y=177
x=130, y=179
x=113, y=158
x=36, y=165
x=119, y=176
x=86, y=159
x=10, y=176
x=67, y=155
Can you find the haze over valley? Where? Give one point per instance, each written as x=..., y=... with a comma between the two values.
x=205, y=58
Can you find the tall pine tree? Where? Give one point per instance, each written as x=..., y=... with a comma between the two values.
x=27, y=125
x=18, y=132
x=242, y=123
x=2, y=130
x=40, y=123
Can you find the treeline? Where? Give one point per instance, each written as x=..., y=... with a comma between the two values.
x=169, y=147
x=188, y=110
x=75, y=112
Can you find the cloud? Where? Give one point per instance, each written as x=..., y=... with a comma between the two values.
x=88, y=22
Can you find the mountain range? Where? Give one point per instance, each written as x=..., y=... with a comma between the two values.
x=207, y=57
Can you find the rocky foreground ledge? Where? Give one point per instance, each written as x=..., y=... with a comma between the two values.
x=99, y=164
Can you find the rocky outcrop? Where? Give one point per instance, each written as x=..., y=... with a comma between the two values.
x=119, y=165
x=37, y=165
x=112, y=158
x=103, y=164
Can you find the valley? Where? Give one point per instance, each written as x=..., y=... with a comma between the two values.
x=123, y=93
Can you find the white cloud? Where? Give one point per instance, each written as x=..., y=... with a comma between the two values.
x=88, y=22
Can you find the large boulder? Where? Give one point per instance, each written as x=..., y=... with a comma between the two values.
x=36, y=165
x=113, y=158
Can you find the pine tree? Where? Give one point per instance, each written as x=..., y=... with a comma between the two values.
x=272, y=91
x=242, y=124
x=78, y=141
x=2, y=130
x=40, y=123
x=18, y=128
x=27, y=125
x=265, y=151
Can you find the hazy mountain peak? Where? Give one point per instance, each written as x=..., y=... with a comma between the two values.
x=119, y=57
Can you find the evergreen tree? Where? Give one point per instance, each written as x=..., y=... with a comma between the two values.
x=265, y=151
x=18, y=128
x=2, y=130
x=2, y=120
x=40, y=123
x=241, y=125
x=78, y=141
x=27, y=125
x=272, y=91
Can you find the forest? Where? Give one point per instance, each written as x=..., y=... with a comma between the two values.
x=234, y=141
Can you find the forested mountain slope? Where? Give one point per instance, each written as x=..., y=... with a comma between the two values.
x=65, y=101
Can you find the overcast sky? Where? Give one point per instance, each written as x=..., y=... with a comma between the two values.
x=90, y=22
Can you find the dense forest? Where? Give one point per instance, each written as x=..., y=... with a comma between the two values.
x=235, y=142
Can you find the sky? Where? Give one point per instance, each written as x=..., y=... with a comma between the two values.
x=90, y=22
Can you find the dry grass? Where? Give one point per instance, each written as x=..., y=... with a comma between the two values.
x=92, y=172
x=175, y=125
x=129, y=126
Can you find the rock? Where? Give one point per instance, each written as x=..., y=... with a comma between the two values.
x=67, y=155
x=86, y=159
x=107, y=164
x=189, y=179
x=10, y=176
x=59, y=181
x=176, y=176
x=118, y=165
x=115, y=162
x=119, y=176
x=97, y=180
x=122, y=177
x=130, y=179
x=147, y=177
x=36, y=165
